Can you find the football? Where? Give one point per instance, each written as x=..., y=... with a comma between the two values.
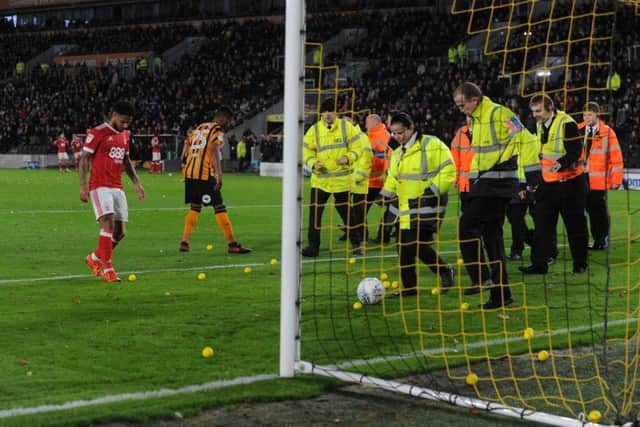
x=370, y=290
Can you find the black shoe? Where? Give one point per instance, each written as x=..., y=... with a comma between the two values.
x=472, y=290
x=310, y=252
x=408, y=292
x=495, y=304
x=598, y=246
x=551, y=260
x=580, y=269
x=375, y=241
x=237, y=248
x=184, y=246
x=533, y=269
x=515, y=257
x=447, y=279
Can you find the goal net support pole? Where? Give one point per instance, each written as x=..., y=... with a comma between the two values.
x=291, y=185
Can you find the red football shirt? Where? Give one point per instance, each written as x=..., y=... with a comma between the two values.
x=155, y=145
x=61, y=143
x=108, y=147
x=76, y=144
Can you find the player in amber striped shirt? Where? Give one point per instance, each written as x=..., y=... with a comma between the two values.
x=203, y=179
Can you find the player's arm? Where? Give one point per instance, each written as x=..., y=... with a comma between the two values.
x=131, y=172
x=83, y=171
x=215, y=142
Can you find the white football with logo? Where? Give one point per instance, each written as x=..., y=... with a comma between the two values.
x=370, y=290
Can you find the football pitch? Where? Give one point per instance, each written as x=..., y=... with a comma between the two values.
x=67, y=337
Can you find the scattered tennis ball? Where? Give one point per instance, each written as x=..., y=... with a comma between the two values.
x=274, y=261
x=207, y=352
x=435, y=291
x=357, y=305
x=395, y=284
x=384, y=276
x=352, y=260
x=459, y=261
x=472, y=379
x=528, y=334
x=209, y=247
x=543, y=355
x=386, y=284
x=132, y=278
x=594, y=416
x=464, y=306
x=247, y=270
x=202, y=276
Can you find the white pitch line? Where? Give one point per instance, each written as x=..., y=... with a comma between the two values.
x=181, y=269
x=143, y=395
x=73, y=211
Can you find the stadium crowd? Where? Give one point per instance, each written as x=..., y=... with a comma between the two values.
x=401, y=75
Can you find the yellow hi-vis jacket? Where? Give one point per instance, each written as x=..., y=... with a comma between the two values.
x=362, y=167
x=554, y=149
x=420, y=178
x=498, y=139
x=328, y=145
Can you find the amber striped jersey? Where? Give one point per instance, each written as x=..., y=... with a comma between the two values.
x=201, y=143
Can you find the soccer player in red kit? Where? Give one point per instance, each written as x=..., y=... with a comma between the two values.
x=155, y=155
x=62, y=143
x=107, y=150
x=76, y=147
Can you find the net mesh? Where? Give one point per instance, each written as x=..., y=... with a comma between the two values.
x=569, y=345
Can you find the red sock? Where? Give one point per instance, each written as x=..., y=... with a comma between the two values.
x=105, y=248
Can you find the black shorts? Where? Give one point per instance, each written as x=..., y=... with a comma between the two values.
x=202, y=192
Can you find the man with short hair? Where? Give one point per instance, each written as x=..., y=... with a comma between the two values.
x=61, y=143
x=498, y=139
x=203, y=179
x=563, y=190
x=106, y=148
x=331, y=148
x=605, y=169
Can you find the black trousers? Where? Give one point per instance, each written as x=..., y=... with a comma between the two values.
x=481, y=222
x=359, y=208
x=567, y=199
x=516, y=214
x=598, y=211
x=417, y=242
x=319, y=199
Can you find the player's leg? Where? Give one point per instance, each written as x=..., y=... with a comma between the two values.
x=222, y=218
x=103, y=207
x=60, y=162
x=121, y=217
x=195, y=191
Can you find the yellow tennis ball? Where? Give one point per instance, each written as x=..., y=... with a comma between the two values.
x=357, y=305
x=209, y=247
x=207, y=352
x=132, y=278
x=472, y=379
x=247, y=270
x=543, y=355
x=528, y=334
x=386, y=284
x=202, y=276
x=464, y=306
x=384, y=276
x=459, y=261
x=395, y=284
x=352, y=260
x=435, y=291
x=594, y=416
x=274, y=261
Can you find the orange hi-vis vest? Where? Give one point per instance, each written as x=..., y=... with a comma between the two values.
x=379, y=139
x=462, y=153
x=554, y=150
x=604, y=159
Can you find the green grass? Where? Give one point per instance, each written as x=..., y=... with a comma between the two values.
x=66, y=335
